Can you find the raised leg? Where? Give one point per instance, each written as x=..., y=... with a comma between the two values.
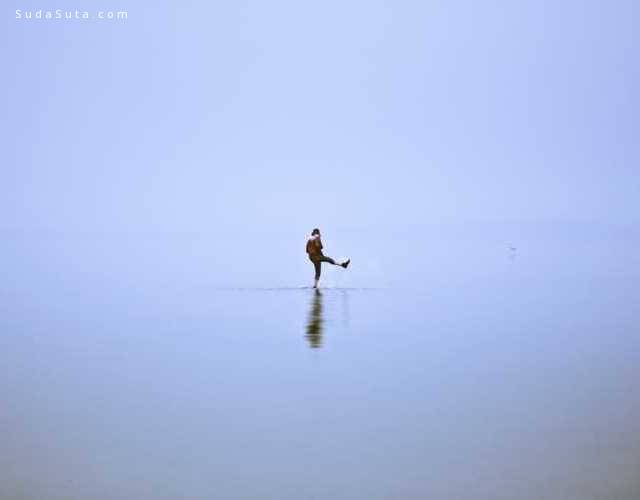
x=329, y=260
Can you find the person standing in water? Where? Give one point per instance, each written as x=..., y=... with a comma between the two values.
x=314, y=250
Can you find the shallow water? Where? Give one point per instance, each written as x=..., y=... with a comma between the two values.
x=491, y=376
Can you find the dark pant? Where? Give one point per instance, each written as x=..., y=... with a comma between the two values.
x=317, y=260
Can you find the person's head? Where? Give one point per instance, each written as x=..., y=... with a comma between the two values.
x=316, y=231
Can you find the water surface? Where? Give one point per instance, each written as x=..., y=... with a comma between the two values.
x=487, y=375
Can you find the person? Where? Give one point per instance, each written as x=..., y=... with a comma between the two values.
x=314, y=250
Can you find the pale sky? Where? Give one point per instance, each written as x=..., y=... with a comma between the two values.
x=232, y=115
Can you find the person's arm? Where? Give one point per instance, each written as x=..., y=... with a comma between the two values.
x=319, y=243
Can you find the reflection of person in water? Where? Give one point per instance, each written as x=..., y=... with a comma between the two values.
x=314, y=249
x=315, y=323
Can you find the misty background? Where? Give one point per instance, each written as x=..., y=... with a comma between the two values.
x=477, y=161
x=204, y=140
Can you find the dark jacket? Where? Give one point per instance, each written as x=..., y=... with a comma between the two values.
x=314, y=247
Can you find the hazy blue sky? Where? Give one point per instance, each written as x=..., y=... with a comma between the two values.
x=203, y=115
